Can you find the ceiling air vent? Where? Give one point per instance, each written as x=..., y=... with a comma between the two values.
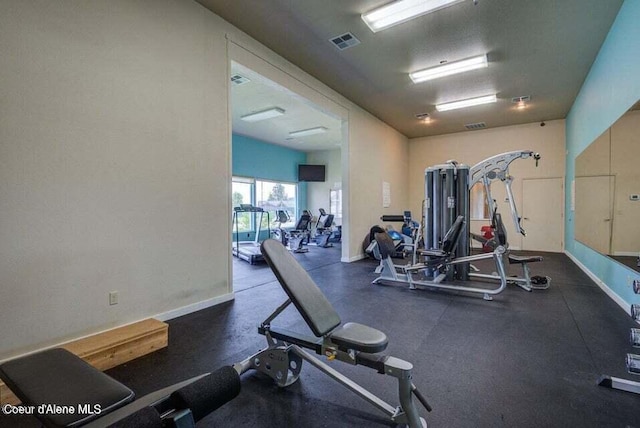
x=344, y=41
x=237, y=79
x=474, y=126
x=522, y=99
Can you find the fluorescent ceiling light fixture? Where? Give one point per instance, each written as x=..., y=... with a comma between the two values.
x=467, y=103
x=401, y=11
x=449, y=68
x=263, y=115
x=307, y=132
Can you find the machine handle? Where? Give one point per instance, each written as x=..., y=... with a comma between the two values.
x=420, y=397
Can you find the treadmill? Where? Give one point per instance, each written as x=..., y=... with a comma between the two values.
x=249, y=250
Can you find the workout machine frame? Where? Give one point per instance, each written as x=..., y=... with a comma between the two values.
x=442, y=261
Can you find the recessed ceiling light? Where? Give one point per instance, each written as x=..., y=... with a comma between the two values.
x=307, y=132
x=401, y=11
x=424, y=117
x=467, y=103
x=521, y=102
x=525, y=98
x=263, y=114
x=449, y=68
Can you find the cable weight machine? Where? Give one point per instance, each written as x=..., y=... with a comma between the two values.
x=446, y=251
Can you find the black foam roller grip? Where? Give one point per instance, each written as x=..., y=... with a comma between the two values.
x=147, y=417
x=209, y=393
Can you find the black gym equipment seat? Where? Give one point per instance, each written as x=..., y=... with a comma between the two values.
x=353, y=343
x=62, y=390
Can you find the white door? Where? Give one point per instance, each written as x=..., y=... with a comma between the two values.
x=542, y=214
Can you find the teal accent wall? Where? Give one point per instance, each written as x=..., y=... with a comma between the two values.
x=610, y=89
x=265, y=161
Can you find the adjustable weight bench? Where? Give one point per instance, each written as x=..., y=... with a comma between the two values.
x=62, y=390
x=353, y=343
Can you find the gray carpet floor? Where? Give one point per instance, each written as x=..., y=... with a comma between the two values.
x=525, y=359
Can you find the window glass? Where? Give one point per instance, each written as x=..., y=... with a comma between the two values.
x=242, y=193
x=335, y=202
x=272, y=196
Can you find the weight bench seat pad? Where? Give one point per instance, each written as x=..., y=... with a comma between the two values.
x=359, y=338
x=524, y=259
x=56, y=376
x=302, y=291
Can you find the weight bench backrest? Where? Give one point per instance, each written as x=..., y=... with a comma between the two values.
x=452, y=236
x=301, y=289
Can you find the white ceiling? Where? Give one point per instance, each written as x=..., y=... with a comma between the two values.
x=260, y=94
x=541, y=48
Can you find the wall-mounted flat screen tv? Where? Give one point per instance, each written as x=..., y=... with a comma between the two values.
x=311, y=173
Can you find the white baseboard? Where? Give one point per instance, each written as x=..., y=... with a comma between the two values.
x=619, y=300
x=355, y=258
x=165, y=316
x=185, y=310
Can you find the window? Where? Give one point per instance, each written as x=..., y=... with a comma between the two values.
x=268, y=195
x=335, y=202
x=478, y=202
x=242, y=193
x=272, y=196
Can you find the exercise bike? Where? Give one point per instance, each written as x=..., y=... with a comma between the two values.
x=293, y=239
x=322, y=230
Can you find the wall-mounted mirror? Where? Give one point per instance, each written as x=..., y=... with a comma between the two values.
x=607, y=191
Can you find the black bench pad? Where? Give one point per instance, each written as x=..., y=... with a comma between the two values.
x=56, y=376
x=524, y=259
x=359, y=338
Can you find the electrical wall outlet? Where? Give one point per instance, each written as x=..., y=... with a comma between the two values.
x=113, y=298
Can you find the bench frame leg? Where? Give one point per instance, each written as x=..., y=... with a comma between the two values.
x=276, y=362
x=620, y=384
